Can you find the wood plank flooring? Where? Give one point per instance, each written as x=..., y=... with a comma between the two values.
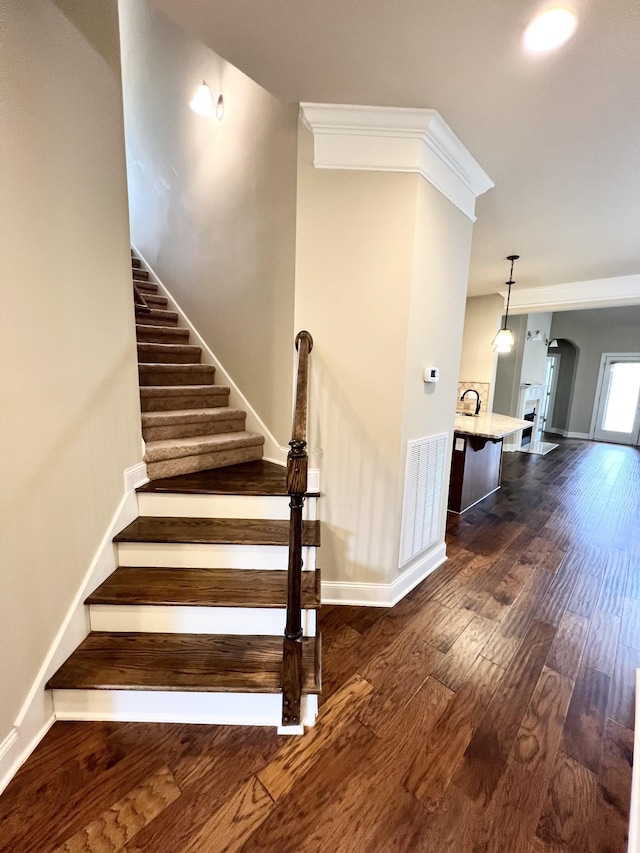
x=490, y=710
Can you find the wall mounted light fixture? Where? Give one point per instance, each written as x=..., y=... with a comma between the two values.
x=202, y=102
x=537, y=336
x=503, y=341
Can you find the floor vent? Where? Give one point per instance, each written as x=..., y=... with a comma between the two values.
x=422, y=508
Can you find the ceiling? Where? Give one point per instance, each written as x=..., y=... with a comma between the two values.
x=559, y=134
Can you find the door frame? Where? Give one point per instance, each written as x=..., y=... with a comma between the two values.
x=551, y=396
x=632, y=356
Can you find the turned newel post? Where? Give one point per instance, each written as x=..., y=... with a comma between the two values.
x=297, y=465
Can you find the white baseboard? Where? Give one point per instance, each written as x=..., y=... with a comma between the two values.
x=15, y=749
x=384, y=594
x=585, y=436
x=273, y=451
x=37, y=715
x=634, y=808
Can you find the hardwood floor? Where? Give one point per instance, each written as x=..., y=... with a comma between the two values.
x=490, y=710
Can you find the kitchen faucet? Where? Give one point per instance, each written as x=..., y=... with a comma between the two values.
x=472, y=391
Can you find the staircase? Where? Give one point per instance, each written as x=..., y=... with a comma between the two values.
x=187, y=423
x=189, y=627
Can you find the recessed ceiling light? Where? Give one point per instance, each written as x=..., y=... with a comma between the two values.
x=549, y=30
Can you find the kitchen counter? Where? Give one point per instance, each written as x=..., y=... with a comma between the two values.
x=476, y=465
x=489, y=425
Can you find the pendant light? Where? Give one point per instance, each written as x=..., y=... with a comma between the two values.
x=503, y=341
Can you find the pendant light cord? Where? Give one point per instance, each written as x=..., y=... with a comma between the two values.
x=509, y=283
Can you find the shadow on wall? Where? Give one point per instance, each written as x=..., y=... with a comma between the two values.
x=360, y=506
x=567, y=354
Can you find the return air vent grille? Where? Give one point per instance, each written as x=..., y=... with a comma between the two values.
x=422, y=507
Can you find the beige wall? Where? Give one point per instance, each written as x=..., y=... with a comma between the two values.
x=382, y=263
x=354, y=269
x=71, y=420
x=478, y=362
x=442, y=247
x=213, y=203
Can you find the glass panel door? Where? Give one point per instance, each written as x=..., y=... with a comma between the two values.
x=618, y=413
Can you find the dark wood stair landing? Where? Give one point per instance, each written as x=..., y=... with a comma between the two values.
x=259, y=478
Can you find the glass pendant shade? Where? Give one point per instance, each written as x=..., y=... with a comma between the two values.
x=202, y=101
x=503, y=341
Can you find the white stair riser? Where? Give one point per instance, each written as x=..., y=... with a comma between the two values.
x=195, y=620
x=220, y=506
x=154, y=706
x=191, y=555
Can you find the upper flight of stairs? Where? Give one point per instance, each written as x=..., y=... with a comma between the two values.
x=189, y=627
x=187, y=423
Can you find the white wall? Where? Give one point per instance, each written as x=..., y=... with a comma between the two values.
x=71, y=418
x=213, y=203
x=478, y=361
x=534, y=358
x=382, y=268
x=525, y=364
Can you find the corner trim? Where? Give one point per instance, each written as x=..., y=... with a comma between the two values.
x=383, y=594
x=135, y=476
x=396, y=139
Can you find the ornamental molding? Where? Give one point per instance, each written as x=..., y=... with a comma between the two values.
x=396, y=139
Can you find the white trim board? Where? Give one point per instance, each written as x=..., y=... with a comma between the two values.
x=195, y=707
x=575, y=295
x=396, y=139
x=384, y=594
x=273, y=451
x=37, y=715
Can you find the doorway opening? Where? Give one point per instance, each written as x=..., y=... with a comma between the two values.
x=617, y=408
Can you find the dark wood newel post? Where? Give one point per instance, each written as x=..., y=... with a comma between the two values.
x=297, y=465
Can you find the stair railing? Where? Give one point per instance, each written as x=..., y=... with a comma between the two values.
x=297, y=465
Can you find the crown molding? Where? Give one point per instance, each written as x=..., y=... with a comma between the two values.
x=597, y=293
x=396, y=139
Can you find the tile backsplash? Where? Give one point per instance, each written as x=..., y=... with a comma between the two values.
x=469, y=404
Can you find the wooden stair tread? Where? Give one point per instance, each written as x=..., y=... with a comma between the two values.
x=203, y=587
x=260, y=478
x=186, y=662
x=228, y=531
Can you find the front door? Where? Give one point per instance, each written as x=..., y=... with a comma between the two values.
x=618, y=406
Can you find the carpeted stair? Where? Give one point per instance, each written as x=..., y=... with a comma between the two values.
x=187, y=423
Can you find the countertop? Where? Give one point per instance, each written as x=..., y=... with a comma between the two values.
x=488, y=425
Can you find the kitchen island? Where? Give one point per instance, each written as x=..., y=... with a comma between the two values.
x=476, y=464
